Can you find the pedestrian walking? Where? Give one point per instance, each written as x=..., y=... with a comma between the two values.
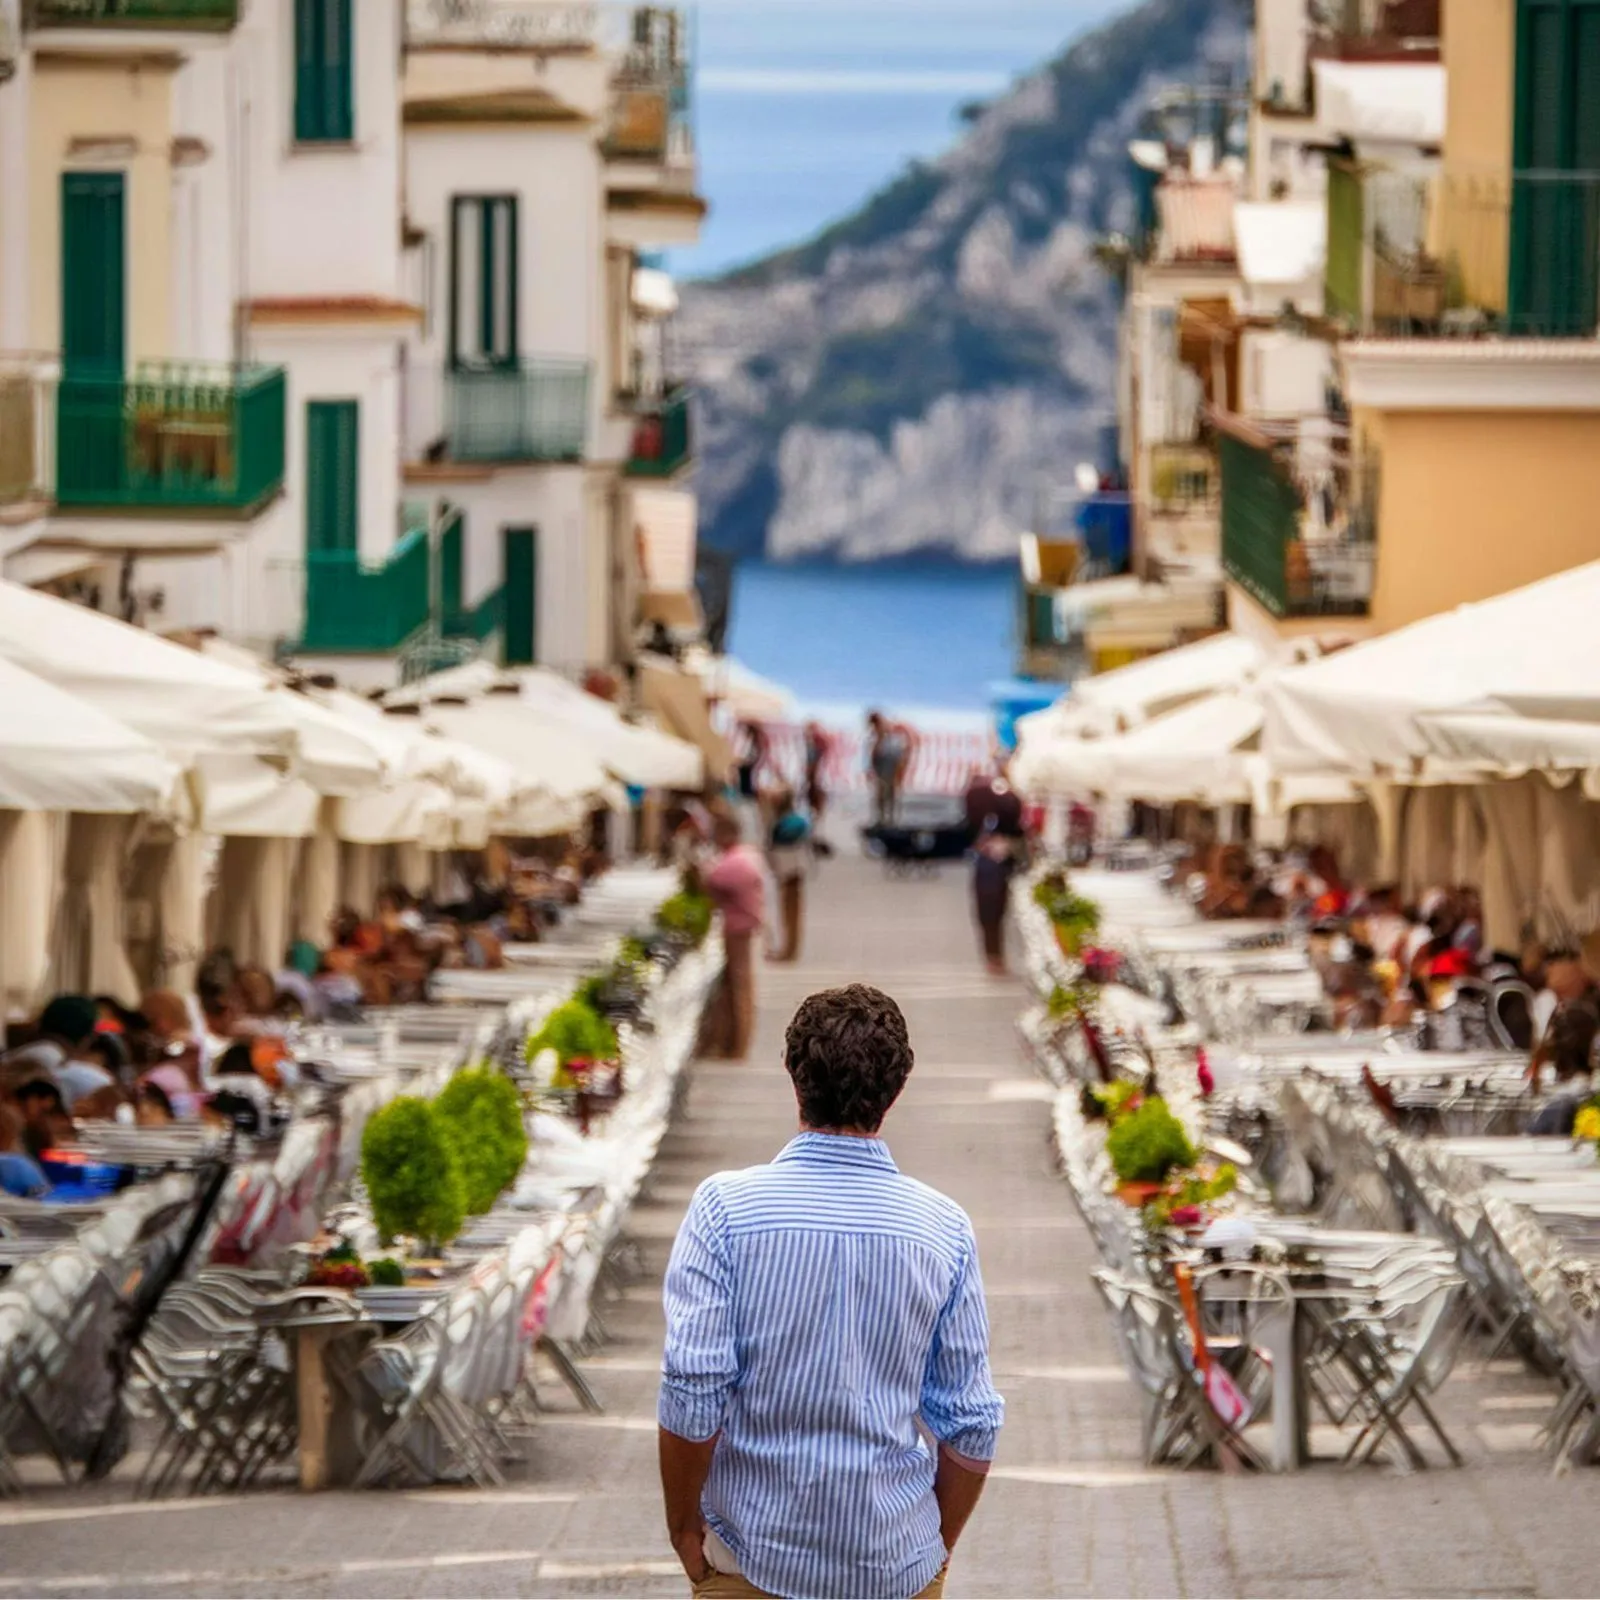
x=752, y=757
x=827, y=1414
x=891, y=745
x=819, y=742
x=994, y=863
x=737, y=884
x=786, y=853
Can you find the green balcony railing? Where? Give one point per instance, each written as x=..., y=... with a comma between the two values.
x=171, y=438
x=662, y=437
x=479, y=621
x=534, y=410
x=353, y=607
x=208, y=14
x=1264, y=552
x=1465, y=252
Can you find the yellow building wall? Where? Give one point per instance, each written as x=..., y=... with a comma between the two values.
x=116, y=101
x=1471, y=221
x=1472, y=504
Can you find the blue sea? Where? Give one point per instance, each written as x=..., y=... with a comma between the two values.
x=802, y=109
x=904, y=636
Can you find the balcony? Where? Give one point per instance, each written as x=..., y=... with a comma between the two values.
x=27, y=427
x=1377, y=30
x=171, y=438
x=1183, y=479
x=1276, y=543
x=209, y=15
x=353, y=607
x=534, y=410
x=663, y=441
x=503, y=24
x=1464, y=253
x=650, y=102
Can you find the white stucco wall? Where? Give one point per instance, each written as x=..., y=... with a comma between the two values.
x=556, y=173
x=324, y=220
x=572, y=552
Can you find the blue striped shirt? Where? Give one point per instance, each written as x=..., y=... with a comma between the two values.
x=825, y=1316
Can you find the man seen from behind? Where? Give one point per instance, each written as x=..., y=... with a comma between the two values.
x=827, y=1413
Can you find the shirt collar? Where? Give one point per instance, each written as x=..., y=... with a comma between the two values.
x=838, y=1149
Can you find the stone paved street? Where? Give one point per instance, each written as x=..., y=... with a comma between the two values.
x=1070, y=1511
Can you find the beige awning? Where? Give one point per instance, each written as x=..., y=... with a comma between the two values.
x=679, y=701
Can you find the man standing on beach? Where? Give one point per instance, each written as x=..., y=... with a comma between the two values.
x=827, y=1414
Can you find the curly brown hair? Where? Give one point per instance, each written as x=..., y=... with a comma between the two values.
x=849, y=1055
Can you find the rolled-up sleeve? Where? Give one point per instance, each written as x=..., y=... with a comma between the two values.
x=699, y=1366
x=960, y=1404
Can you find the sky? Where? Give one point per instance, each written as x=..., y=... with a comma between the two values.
x=804, y=107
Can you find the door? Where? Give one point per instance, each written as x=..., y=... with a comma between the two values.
x=333, y=429
x=519, y=556
x=93, y=285
x=1555, y=204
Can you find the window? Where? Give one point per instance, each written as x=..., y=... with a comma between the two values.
x=483, y=280
x=332, y=471
x=324, y=97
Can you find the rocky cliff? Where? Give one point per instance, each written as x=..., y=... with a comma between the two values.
x=911, y=379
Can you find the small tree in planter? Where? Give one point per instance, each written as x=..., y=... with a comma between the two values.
x=413, y=1178
x=481, y=1113
x=1145, y=1145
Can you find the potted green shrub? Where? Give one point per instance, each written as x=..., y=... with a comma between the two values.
x=481, y=1113
x=1145, y=1145
x=413, y=1178
x=686, y=916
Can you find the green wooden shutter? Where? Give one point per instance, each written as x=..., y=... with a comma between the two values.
x=483, y=280
x=520, y=566
x=1555, y=216
x=324, y=63
x=332, y=475
x=93, y=288
x=1345, y=233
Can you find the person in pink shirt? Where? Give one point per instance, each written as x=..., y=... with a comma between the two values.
x=737, y=883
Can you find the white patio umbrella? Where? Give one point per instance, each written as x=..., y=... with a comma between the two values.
x=59, y=752
x=177, y=698
x=1533, y=652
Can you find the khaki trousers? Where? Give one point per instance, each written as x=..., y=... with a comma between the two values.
x=791, y=903
x=722, y=1586
x=731, y=1014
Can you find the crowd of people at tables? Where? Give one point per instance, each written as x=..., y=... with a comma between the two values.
x=224, y=1054
x=1387, y=961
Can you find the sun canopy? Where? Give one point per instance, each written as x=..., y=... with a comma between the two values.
x=576, y=718
x=61, y=753
x=1112, y=702
x=337, y=754
x=1194, y=753
x=178, y=698
x=1379, y=707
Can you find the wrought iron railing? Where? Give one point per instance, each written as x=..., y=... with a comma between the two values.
x=663, y=440
x=1464, y=252
x=504, y=24
x=218, y=14
x=27, y=426
x=1265, y=548
x=531, y=410
x=171, y=435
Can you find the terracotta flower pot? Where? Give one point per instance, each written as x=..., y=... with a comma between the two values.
x=1138, y=1193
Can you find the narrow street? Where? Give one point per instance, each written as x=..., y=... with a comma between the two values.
x=1070, y=1511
